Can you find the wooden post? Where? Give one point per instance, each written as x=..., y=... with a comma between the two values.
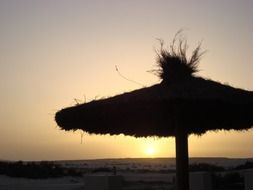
x=182, y=160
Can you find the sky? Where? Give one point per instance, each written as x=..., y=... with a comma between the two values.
x=54, y=53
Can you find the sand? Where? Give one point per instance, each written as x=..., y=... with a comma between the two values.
x=66, y=183
x=151, y=178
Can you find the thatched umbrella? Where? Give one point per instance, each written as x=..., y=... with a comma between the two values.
x=180, y=105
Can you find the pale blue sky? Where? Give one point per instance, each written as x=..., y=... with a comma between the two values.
x=52, y=51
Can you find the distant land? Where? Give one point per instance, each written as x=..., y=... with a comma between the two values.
x=144, y=163
x=151, y=163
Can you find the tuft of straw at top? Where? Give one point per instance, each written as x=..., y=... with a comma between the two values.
x=173, y=63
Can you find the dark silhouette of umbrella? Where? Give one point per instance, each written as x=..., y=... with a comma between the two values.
x=180, y=105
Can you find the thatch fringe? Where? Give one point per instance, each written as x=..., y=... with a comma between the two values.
x=173, y=63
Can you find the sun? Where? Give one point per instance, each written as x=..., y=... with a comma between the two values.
x=150, y=147
x=150, y=151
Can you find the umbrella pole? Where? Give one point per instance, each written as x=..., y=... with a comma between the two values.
x=182, y=160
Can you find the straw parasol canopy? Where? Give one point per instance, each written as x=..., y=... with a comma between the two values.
x=181, y=104
x=198, y=104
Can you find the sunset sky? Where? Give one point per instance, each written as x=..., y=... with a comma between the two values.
x=56, y=52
